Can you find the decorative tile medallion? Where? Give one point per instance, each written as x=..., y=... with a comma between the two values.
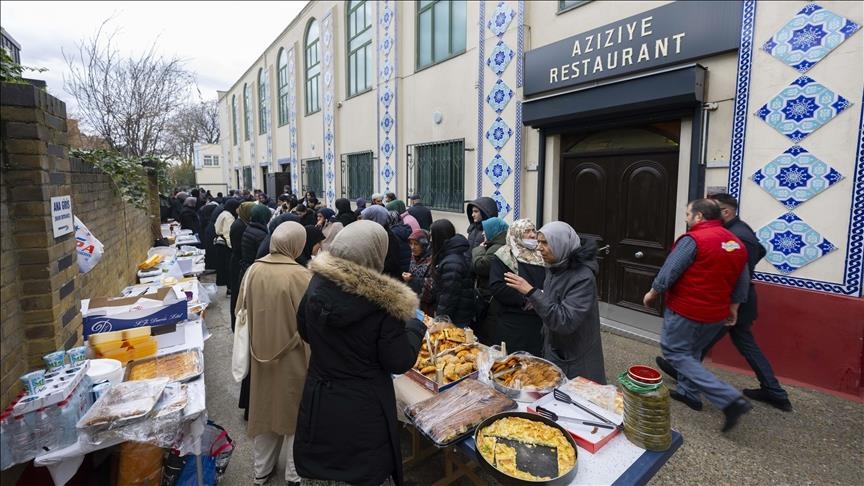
x=809, y=36
x=498, y=170
x=801, y=108
x=499, y=58
x=792, y=243
x=503, y=206
x=795, y=176
x=501, y=18
x=387, y=136
x=498, y=134
x=499, y=96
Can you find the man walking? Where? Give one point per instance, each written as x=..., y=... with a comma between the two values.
x=741, y=333
x=705, y=278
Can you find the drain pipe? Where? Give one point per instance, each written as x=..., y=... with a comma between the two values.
x=541, y=178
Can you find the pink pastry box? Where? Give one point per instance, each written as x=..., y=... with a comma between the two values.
x=588, y=437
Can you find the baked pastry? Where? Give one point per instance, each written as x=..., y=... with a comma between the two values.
x=176, y=367
x=492, y=443
x=526, y=373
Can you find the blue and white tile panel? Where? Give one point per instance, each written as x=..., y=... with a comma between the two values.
x=504, y=20
x=329, y=110
x=802, y=108
x=292, y=123
x=387, y=108
x=851, y=283
x=795, y=176
x=792, y=243
x=809, y=36
x=268, y=96
x=481, y=75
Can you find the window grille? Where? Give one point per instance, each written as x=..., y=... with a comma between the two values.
x=436, y=171
x=357, y=175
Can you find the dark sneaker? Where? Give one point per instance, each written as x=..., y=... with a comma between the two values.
x=733, y=413
x=666, y=367
x=690, y=402
x=762, y=395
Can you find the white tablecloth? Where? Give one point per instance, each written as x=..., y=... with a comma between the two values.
x=64, y=463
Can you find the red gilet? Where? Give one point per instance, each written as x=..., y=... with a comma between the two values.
x=703, y=292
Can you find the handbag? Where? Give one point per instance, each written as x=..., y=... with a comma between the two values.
x=240, y=348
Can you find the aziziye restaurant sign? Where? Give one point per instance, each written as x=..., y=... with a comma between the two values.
x=671, y=34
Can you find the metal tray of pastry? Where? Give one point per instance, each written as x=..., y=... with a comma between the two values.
x=123, y=403
x=527, y=394
x=181, y=366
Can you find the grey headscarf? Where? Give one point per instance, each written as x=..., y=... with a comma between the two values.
x=376, y=213
x=362, y=242
x=562, y=240
x=190, y=202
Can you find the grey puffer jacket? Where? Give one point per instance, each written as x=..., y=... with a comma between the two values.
x=571, y=318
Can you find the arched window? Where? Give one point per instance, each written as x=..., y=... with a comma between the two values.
x=282, y=82
x=359, y=48
x=247, y=113
x=313, y=67
x=234, y=117
x=262, y=102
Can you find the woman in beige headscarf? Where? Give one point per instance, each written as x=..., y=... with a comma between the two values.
x=272, y=290
x=518, y=323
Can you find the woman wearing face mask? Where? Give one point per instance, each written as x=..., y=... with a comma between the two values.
x=517, y=322
x=326, y=222
x=567, y=303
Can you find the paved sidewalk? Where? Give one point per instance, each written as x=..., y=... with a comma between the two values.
x=821, y=442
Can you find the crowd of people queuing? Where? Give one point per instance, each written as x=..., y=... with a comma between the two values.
x=330, y=299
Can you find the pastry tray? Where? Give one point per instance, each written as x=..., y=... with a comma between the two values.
x=162, y=364
x=123, y=403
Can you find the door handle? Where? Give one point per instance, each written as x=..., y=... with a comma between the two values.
x=638, y=254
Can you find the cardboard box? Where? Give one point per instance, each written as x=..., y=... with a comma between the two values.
x=160, y=308
x=586, y=436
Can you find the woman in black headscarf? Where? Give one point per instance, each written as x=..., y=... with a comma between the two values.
x=453, y=285
x=189, y=215
x=345, y=216
x=314, y=237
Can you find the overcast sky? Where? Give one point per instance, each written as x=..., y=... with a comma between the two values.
x=219, y=40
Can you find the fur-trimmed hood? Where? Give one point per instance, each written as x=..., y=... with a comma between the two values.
x=386, y=293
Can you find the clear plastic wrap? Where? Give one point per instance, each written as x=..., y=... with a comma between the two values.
x=122, y=404
x=606, y=396
x=180, y=366
x=454, y=413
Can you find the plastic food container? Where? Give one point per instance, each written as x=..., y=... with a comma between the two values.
x=644, y=375
x=54, y=361
x=77, y=355
x=105, y=369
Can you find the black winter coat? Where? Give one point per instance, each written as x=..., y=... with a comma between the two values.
x=238, y=227
x=189, y=220
x=489, y=209
x=520, y=328
x=422, y=214
x=346, y=426
x=402, y=232
x=393, y=260
x=253, y=236
x=454, y=286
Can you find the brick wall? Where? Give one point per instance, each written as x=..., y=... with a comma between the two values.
x=40, y=286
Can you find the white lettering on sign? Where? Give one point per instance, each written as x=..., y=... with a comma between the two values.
x=61, y=215
x=599, y=62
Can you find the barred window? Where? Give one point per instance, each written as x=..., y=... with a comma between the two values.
x=313, y=176
x=359, y=169
x=439, y=173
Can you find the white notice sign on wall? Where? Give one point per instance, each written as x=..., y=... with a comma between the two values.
x=61, y=215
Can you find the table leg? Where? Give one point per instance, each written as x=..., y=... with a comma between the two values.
x=455, y=468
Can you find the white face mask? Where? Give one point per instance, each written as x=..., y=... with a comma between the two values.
x=529, y=243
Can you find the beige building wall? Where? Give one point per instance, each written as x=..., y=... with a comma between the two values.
x=213, y=178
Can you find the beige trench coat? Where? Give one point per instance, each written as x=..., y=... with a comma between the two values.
x=279, y=357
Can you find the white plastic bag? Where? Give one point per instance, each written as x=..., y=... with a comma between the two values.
x=90, y=249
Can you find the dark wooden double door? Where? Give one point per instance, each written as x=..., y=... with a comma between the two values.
x=626, y=203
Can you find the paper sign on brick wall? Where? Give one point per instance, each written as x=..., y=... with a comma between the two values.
x=61, y=215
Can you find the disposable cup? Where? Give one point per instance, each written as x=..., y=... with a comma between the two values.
x=34, y=382
x=54, y=361
x=77, y=355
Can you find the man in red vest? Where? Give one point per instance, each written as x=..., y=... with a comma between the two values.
x=705, y=278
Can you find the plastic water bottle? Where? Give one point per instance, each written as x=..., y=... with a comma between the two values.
x=21, y=439
x=45, y=429
x=67, y=433
x=5, y=450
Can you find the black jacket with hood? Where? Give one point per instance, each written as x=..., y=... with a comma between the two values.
x=345, y=214
x=360, y=327
x=488, y=209
x=454, y=285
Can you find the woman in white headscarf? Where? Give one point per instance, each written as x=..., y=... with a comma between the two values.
x=517, y=322
x=567, y=303
x=271, y=291
x=361, y=328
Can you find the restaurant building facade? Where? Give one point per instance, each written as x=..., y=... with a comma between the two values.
x=607, y=115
